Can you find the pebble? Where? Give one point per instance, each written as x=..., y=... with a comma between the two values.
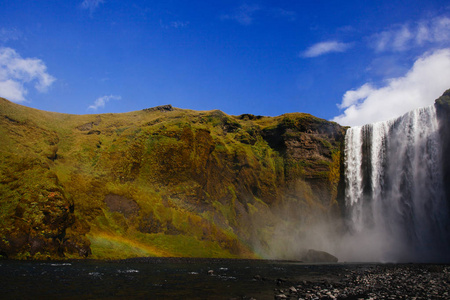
x=390, y=281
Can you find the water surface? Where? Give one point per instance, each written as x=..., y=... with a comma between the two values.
x=153, y=278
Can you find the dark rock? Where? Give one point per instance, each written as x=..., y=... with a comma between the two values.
x=249, y=117
x=172, y=230
x=77, y=244
x=127, y=207
x=315, y=256
x=40, y=221
x=274, y=137
x=280, y=281
x=230, y=125
x=161, y=108
x=442, y=105
x=86, y=127
x=97, y=132
x=148, y=223
x=36, y=245
x=9, y=119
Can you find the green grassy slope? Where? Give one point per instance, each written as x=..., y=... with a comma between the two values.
x=160, y=182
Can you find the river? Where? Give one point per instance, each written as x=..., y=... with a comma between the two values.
x=187, y=278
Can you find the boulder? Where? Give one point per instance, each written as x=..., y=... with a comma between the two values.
x=315, y=256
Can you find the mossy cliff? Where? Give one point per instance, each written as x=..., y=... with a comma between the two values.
x=161, y=182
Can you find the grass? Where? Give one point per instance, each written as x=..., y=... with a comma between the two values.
x=187, y=246
x=108, y=246
x=105, y=245
x=190, y=171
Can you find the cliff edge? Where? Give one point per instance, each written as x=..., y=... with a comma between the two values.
x=162, y=182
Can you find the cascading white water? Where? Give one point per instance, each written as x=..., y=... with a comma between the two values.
x=396, y=209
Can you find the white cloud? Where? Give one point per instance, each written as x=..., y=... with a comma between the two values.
x=91, y=5
x=12, y=90
x=17, y=72
x=324, y=48
x=101, y=102
x=353, y=97
x=405, y=36
x=428, y=78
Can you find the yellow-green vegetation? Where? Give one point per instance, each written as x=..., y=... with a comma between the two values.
x=158, y=182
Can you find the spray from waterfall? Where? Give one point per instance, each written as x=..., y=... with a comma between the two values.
x=395, y=204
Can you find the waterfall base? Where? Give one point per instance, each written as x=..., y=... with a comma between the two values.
x=395, y=198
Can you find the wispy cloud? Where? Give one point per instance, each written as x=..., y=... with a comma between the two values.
x=406, y=36
x=101, y=101
x=428, y=78
x=178, y=24
x=17, y=72
x=173, y=24
x=91, y=5
x=244, y=14
x=325, y=48
x=283, y=13
x=8, y=34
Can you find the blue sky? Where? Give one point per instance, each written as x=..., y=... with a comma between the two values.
x=354, y=62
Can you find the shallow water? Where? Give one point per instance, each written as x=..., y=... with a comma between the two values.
x=187, y=278
x=152, y=278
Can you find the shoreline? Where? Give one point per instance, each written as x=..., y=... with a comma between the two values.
x=216, y=278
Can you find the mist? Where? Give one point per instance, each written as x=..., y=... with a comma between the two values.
x=291, y=240
x=394, y=208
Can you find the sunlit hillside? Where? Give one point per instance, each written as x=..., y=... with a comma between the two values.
x=162, y=182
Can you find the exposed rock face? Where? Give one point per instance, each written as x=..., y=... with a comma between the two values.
x=166, y=180
x=88, y=126
x=310, y=146
x=161, y=108
x=123, y=205
x=443, y=113
x=36, y=212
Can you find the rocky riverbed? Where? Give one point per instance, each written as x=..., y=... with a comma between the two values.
x=390, y=281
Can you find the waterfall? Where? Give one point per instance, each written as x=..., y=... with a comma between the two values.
x=395, y=203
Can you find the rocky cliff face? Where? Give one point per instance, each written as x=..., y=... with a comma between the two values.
x=443, y=112
x=162, y=182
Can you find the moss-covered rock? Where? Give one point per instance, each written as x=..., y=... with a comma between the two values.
x=35, y=210
x=161, y=181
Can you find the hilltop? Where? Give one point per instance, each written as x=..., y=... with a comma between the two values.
x=163, y=181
